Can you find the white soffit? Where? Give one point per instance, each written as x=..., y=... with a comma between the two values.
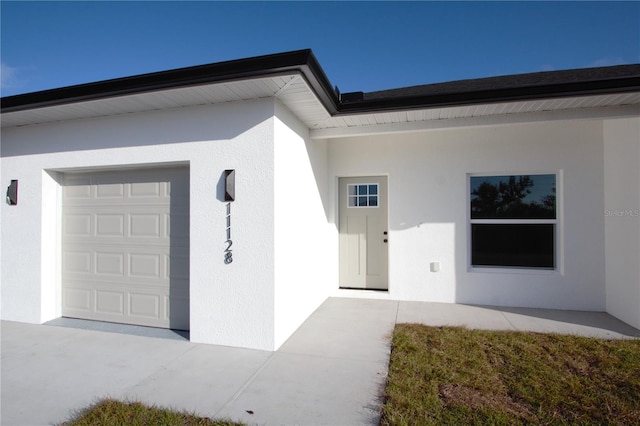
x=600, y=106
x=208, y=94
x=296, y=94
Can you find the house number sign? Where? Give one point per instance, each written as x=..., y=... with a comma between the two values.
x=228, y=257
x=229, y=195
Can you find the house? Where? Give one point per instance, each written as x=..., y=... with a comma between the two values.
x=232, y=199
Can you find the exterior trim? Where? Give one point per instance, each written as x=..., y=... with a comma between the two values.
x=501, y=94
x=302, y=61
x=544, y=85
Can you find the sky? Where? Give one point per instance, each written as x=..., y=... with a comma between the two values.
x=362, y=46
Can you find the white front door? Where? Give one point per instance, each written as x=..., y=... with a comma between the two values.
x=363, y=233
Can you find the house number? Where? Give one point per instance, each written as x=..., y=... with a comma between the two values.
x=228, y=258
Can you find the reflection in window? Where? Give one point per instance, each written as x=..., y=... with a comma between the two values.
x=513, y=197
x=362, y=195
x=513, y=220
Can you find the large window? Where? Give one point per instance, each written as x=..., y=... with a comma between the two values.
x=513, y=221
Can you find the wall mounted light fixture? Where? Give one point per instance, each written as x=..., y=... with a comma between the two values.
x=230, y=185
x=12, y=193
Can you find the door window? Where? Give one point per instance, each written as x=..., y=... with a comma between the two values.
x=362, y=195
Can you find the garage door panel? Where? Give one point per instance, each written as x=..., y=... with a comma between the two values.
x=148, y=189
x=146, y=305
x=145, y=265
x=77, y=188
x=110, y=190
x=109, y=225
x=135, y=264
x=120, y=262
x=140, y=303
x=77, y=299
x=146, y=225
x=110, y=263
x=109, y=302
x=78, y=224
x=76, y=262
x=106, y=203
x=140, y=223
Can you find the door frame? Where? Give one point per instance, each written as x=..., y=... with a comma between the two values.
x=338, y=202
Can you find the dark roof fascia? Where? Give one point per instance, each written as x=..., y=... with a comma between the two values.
x=523, y=87
x=389, y=101
x=301, y=61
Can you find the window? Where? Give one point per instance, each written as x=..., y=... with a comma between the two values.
x=362, y=195
x=513, y=221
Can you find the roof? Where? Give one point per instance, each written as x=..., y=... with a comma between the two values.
x=538, y=85
x=297, y=79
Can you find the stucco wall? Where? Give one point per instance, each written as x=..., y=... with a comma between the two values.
x=622, y=218
x=230, y=304
x=428, y=204
x=303, y=247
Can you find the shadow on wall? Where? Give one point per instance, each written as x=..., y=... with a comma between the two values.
x=179, y=284
x=211, y=123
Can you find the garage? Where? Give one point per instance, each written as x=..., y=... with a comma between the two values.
x=125, y=246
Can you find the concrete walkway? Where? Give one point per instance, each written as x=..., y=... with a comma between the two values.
x=331, y=371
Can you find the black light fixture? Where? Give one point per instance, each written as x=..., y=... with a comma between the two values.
x=12, y=193
x=230, y=185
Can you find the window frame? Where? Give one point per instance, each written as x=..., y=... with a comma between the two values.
x=556, y=222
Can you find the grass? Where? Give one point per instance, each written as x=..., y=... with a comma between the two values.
x=110, y=412
x=455, y=376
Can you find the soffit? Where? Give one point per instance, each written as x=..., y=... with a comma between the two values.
x=599, y=102
x=207, y=94
x=295, y=92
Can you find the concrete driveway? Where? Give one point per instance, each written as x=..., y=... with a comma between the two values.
x=330, y=372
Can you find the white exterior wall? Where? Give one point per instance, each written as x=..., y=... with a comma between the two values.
x=284, y=219
x=429, y=202
x=230, y=304
x=303, y=244
x=622, y=218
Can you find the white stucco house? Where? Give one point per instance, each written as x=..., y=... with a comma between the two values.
x=232, y=199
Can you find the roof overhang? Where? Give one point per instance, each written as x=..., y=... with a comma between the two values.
x=297, y=80
x=301, y=61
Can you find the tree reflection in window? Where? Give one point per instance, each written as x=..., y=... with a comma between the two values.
x=513, y=221
x=513, y=197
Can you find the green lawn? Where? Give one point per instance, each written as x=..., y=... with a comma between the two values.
x=109, y=412
x=456, y=376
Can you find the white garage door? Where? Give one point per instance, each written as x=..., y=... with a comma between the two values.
x=125, y=247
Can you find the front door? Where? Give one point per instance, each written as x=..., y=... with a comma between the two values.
x=363, y=233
